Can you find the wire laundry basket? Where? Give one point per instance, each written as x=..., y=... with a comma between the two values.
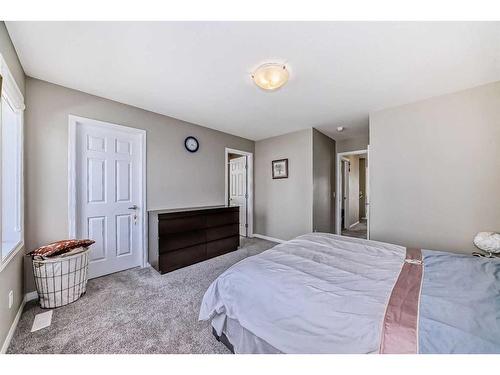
x=61, y=280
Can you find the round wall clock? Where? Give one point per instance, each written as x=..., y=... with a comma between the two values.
x=191, y=144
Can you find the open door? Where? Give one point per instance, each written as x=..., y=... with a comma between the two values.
x=367, y=199
x=345, y=194
x=238, y=186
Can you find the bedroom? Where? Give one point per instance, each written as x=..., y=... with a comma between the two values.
x=204, y=160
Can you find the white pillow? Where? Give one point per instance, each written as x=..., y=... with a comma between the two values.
x=488, y=241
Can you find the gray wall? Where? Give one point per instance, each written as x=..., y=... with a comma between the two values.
x=283, y=207
x=323, y=182
x=353, y=144
x=175, y=177
x=435, y=170
x=11, y=277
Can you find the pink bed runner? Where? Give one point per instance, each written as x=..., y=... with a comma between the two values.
x=400, y=325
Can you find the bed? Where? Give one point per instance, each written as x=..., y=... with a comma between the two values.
x=323, y=293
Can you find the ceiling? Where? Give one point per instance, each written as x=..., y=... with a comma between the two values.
x=200, y=71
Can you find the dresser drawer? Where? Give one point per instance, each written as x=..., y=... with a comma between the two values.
x=219, y=247
x=179, y=238
x=174, y=241
x=223, y=218
x=181, y=258
x=181, y=224
x=217, y=233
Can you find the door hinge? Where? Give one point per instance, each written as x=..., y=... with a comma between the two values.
x=246, y=225
x=246, y=195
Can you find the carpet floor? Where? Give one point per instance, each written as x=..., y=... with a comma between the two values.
x=358, y=231
x=134, y=311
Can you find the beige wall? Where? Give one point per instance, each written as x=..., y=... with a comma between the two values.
x=11, y=277
x=323, y=182
x=175, y=177
x=283, y=207
x=435, y=170
x=353, y=144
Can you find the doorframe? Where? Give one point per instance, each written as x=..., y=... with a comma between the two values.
x=345, y=163
x=338, y=202
x=249, y=156
x=73, y=121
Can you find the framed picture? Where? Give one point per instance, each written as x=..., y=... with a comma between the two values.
x=280, y=168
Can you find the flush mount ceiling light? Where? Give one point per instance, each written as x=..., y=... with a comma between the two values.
x=270, y=76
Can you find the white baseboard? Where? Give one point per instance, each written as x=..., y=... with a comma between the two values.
x=27, y=297
x=353, y=225
x=12, y=329
x=268, y=238
x=30, y=296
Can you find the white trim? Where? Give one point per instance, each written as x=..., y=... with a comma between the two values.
x=27, y=297
x=9, y=87
x=31, y=296
x=368, y=199
x=338, y=202
x=353, y=225
x=261, y=236
x=15, y=99
x=12, y=255
x=345, y=185
x=249, y=155
x=72, y=177
x=72, y=214
x=12, y=329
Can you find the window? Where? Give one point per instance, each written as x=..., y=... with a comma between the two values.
x=11, y=127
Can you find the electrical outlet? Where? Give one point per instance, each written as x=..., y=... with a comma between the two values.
x=11, y=299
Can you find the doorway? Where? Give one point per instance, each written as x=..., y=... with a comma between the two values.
x=107, y=195
x=353, y=199
x=239, y=186
x=346, y=166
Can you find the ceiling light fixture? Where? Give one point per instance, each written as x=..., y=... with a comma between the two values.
x=270, y=76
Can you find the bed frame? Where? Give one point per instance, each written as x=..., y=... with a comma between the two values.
x=223, y=339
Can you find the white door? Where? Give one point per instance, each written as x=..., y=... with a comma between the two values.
x=347, y=167
x=108, y=196
x=238, y=189
x=367, y=201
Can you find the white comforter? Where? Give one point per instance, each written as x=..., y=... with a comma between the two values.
x=345, y=281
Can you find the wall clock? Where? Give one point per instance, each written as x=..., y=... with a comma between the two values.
x=191, y=144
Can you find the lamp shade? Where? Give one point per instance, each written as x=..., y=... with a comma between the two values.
x=270, y=76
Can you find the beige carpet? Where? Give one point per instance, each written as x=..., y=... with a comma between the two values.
x=358, y=231
x=134, y=311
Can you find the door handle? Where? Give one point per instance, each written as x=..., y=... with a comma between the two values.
x=134, y=207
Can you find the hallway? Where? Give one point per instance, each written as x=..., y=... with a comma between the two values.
x=359, y=230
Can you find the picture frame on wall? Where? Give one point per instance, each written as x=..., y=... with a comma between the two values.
x=280, y=168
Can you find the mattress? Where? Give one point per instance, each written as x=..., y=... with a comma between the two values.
x=322, y=293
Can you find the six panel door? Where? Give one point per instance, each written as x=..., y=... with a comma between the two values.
x=108, y=181
x=238, y=189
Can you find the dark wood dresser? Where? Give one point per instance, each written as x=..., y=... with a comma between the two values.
x=181, y=237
